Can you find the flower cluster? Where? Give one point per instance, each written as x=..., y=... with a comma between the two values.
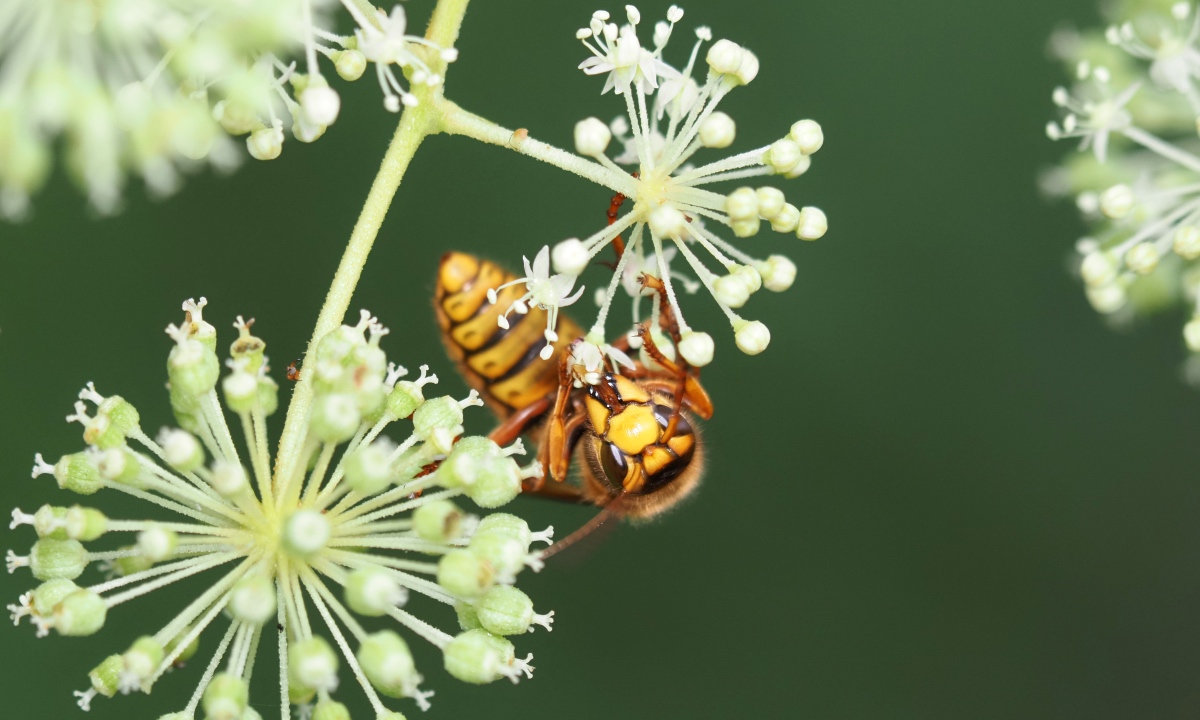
x=359, y=525
x=1134, y=107
x=670, y=117
x=151, y=89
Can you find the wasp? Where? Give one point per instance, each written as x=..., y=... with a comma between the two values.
x=632, y=432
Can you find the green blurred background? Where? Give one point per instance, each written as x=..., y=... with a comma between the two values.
x=946, y=491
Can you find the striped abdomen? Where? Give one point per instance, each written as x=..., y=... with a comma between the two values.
x=502, y=364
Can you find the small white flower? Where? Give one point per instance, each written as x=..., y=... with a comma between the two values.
x=546, y=291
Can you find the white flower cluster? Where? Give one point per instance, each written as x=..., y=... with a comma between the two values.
x=293, y=556
x=669, y=118
x=152, y=89
x=1135, y=108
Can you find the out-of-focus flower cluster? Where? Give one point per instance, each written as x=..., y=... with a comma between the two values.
x=152, y=89
x=1134, y=106
x=317, y=556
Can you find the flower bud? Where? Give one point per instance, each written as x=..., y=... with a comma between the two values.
x=742, y=204
x=667, y=222
x=78, y=473
x=84, y=524
x=181, y=450
x=157, y=544
x=1191, y=333
x=808, y=135
x=478, y=657
x=350, y=64
x=1187, y=242
x=1107, y=299
x=1142, y=258
x=142, y=658
x=591, y=137
x=465, y=574
x=253, y=599
x=266, y=143
x=696, y=348
x=504, y=555
x=787, y=219
x=119, y=465
x=335, y=417
x=330, y=710
x=778, y=273
x=750, y=276
x=506, y=610
x=241, y=391
x=80, y=613
x=312, y=663
x=1098, y=269
x=717, y=131
x=813, y=224
x=724, y=57
x=749, y=69
x=1117, y=202
x=49, y=594
x=468, y=618
x=369, y=469
x=229, y=479
x=225, y=697
x=440, y=412
x=507, y=525
x=373, y=591
x=731, y=291
x=570, y=257
x=305, y=532
x=438, y=521
x=753, y=337
x=497, y=483
x=319, y=102
x=783, y=156
x=404, y=399
x=57, y=559
x=106, y=677
x=388, y=664
x=770, y=202
x=193, y=369
x=268, y=396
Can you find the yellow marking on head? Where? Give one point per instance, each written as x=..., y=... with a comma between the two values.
x=656, y=458
x=633, y=429
x=682, y=444
x=598, y=414
x=630, y=391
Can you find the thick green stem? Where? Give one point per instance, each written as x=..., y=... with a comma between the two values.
x=415, y=125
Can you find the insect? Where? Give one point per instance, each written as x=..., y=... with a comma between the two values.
x=632, y=433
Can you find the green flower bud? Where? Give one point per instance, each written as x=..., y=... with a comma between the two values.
x=335, y=417
x=143, y=658
x=506, y=610
x=85, y=524
x=80, y=613
x=505, y=554
x=466, y=461
x=248, y=349
x=106, y=677
x=369, y=469
x=253, y=599
x=439, y=521
x=119, y=465
x=439, y=413
x=54, y=559
x=225, y=697
x=506, y=524
x=372, y=591
x=78, y=473
x=157, y=544
x=186, y=409
x=497, y=483
x=478, y=657
x=330, y=710
x=388, y=664
x=305, y=532
x=268, y=396
x=404, y=399
x=465, y=574
x=49, y=594
x=189, y=651
x=350, y=65
x=229, y=479
x=193, y=369
x=101, y=432
x=240, y=389
x=49, y=522
x=131, y=564
x=122, y=415
x=312, y=663
x=299, y=694
x=468, y=618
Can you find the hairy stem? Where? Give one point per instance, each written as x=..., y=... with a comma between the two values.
x=416, y=124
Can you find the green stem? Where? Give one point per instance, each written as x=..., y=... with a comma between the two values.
x=416, y=124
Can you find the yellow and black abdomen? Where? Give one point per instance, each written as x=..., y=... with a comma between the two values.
x=501, y=363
